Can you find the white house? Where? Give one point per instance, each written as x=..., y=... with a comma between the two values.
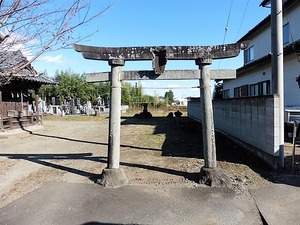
x=249, y=113
x=254, y=78
x=181, y=101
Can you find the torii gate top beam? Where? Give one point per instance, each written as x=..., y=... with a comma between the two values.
x=168, y=52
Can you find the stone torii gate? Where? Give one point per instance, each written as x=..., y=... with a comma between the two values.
x=113, y=175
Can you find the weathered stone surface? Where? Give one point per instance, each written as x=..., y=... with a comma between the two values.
x=214, y=177
x=113, y=178
x=171, y=52
x=167, y=75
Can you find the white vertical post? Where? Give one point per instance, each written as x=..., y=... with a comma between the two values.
x=277, y=68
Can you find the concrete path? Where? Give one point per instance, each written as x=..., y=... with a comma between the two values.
x=278, y=203
x=87, y=204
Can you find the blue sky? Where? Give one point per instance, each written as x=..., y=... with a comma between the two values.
x=161, y=23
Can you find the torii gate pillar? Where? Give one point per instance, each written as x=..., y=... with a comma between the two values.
x=208, y=130
x=113, y=175
x=209, y=174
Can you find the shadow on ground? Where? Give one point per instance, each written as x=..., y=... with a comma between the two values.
x=182, y=139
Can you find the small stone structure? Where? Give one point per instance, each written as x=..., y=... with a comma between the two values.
x=145, y=114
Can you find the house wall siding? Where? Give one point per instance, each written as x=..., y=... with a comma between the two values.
x=292, y=17
x=261, y=74
x=261, y=40
x=251, y=121
x=291, y=87
x=261, y=43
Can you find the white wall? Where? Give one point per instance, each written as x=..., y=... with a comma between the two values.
x=291, y=72
x=262, y=44
x=293, y=19
x=291, y=88
x=253, y=122
x=261, y=74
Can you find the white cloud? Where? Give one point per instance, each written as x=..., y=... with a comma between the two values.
x=53, y=59
x=16, y=42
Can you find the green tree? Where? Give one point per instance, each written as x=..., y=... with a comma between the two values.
x=218, y=90
x=126, y=94
x=103, y=89
x=169, y=96
x=47, y=92
x=136, y=93
x=71, y=85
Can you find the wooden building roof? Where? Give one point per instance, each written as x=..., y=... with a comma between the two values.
x=9, y=61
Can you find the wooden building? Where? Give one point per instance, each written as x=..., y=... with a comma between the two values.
x=17, y=90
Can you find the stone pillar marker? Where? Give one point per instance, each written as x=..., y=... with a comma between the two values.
x=209, y=173
x=113, y=175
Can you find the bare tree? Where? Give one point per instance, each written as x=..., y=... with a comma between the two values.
x=38, y=26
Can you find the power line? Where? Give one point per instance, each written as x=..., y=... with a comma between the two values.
x=226, y=28
x=240, y=26
x=245, y=10
x=227, y=23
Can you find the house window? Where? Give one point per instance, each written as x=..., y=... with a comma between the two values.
x=261, y=88
x=237, y=92
x=249, y=54
x=265, y=86
x=252, y=90
x=241, y=91
x=286, y=33
x=244, y=91
x=226, y=93
x=256, y=89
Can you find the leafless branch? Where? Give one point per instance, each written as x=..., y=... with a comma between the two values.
x=38, y=26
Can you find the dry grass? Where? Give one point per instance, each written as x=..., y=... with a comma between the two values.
x=76, y=118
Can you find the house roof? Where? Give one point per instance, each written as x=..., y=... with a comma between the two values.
x=265, y=2
x=39, y=78
x=10, y=59
x=266, y=22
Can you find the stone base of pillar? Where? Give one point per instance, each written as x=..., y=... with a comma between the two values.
x=214, y=177
x=113, y=178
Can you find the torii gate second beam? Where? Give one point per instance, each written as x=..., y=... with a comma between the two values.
x=220, y=74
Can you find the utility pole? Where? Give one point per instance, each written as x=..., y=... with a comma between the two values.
x=277, y=68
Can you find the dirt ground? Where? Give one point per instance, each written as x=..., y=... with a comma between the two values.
x=155, y=152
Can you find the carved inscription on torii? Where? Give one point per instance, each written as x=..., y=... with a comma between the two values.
x=160, y=54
